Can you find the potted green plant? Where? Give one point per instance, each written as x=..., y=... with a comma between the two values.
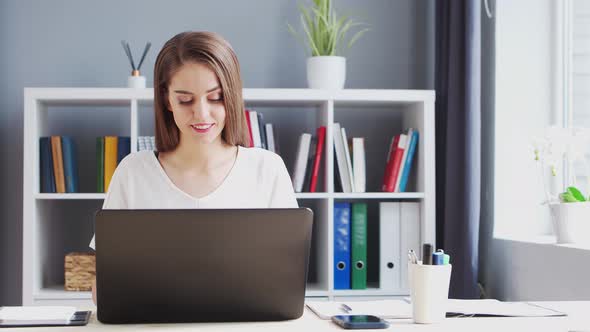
x=325, y=34
x=570, y=208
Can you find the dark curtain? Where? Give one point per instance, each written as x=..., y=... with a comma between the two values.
x=458, y=139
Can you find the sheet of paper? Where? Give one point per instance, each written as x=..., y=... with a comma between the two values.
x=498, y=308
x=33, y=313
x=388, y=309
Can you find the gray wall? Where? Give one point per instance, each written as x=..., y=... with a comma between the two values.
x=77, y=44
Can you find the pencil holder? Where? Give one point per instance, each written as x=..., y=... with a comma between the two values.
x=429, y=291
x=135, y=80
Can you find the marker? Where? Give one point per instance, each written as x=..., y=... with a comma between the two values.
x=446, y=259
x=427, y=251
x=437, y=258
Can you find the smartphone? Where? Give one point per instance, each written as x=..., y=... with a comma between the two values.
x=360, y=322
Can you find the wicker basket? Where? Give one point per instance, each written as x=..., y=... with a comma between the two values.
x=80, y=271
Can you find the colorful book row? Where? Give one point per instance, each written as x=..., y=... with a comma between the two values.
x=261, y=134
x=399, y=231
x=350, y=173
x=110, y=150
x=399, y=161
x=146, y=143
x=58, y=165
x=308, y=161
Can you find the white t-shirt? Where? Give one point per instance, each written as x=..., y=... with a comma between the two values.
x=258, y=179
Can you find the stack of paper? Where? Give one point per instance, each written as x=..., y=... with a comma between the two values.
x=47, y=315
x=497, y=308
x=388, y=309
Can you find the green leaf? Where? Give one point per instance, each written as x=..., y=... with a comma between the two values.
x=324, y=29
x=312, y=45
x=566, y=197
x=357, y=36
x=576, y=194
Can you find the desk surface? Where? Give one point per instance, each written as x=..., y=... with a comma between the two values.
x=578, y=320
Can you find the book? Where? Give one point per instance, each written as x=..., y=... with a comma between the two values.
x=348, y=160
x=46, y=166
x=319, y=150
x=389, y=162
x=341, y=164
x=309, y=167
x=408, y=164
x=389, y=246
x=110, y=159
x=337, y=180
x=255, y=129
x=341, y=245
x=70, y=164
x=123, y=147
x=262, y=131
x=251, y=145
x=358, y=164
x=100, y=164
x=403, y=162
x=141, y=143
x=395, y=163
x=301, y=161
x=58, y=166
x=359, y=245
x=270, y=139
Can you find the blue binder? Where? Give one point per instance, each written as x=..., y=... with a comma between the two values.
x=406, y=168
x=341, y=245
x=47, y=176
x=70, y=164
x=123, y=147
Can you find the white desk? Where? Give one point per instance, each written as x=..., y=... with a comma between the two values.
x=578, y=320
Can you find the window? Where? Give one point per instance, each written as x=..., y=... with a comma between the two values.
x=577, y=77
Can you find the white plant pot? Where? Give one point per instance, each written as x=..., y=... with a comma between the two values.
x=326, y=72
x=571, y=222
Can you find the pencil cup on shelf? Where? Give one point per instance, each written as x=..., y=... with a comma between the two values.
x=135, y=80
x=429, y=291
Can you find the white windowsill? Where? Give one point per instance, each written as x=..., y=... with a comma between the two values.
x=547, y=240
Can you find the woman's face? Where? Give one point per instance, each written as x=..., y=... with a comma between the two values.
x=196, y=100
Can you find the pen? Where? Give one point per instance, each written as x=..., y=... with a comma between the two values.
x=437, y=258
x=427, y=251
x=412, y=258
x=345, y=308
x=446, y=259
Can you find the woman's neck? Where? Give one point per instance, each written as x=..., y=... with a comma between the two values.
x=200, y=157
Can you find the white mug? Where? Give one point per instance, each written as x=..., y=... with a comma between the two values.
x=429, y=291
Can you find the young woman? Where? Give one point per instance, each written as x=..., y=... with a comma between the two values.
x=201, y=138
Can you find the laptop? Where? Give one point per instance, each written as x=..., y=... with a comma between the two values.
x=201, y=265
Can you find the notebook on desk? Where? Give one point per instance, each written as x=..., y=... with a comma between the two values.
x=200, y=265
x=38, y=316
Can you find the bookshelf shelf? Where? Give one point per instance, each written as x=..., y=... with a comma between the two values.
x=54, y=224
x=378, y=195
x=70, y=196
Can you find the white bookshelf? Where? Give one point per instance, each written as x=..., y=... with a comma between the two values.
x=374, y=114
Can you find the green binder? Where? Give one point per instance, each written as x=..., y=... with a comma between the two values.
x=100, y=164
x=359, y=245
